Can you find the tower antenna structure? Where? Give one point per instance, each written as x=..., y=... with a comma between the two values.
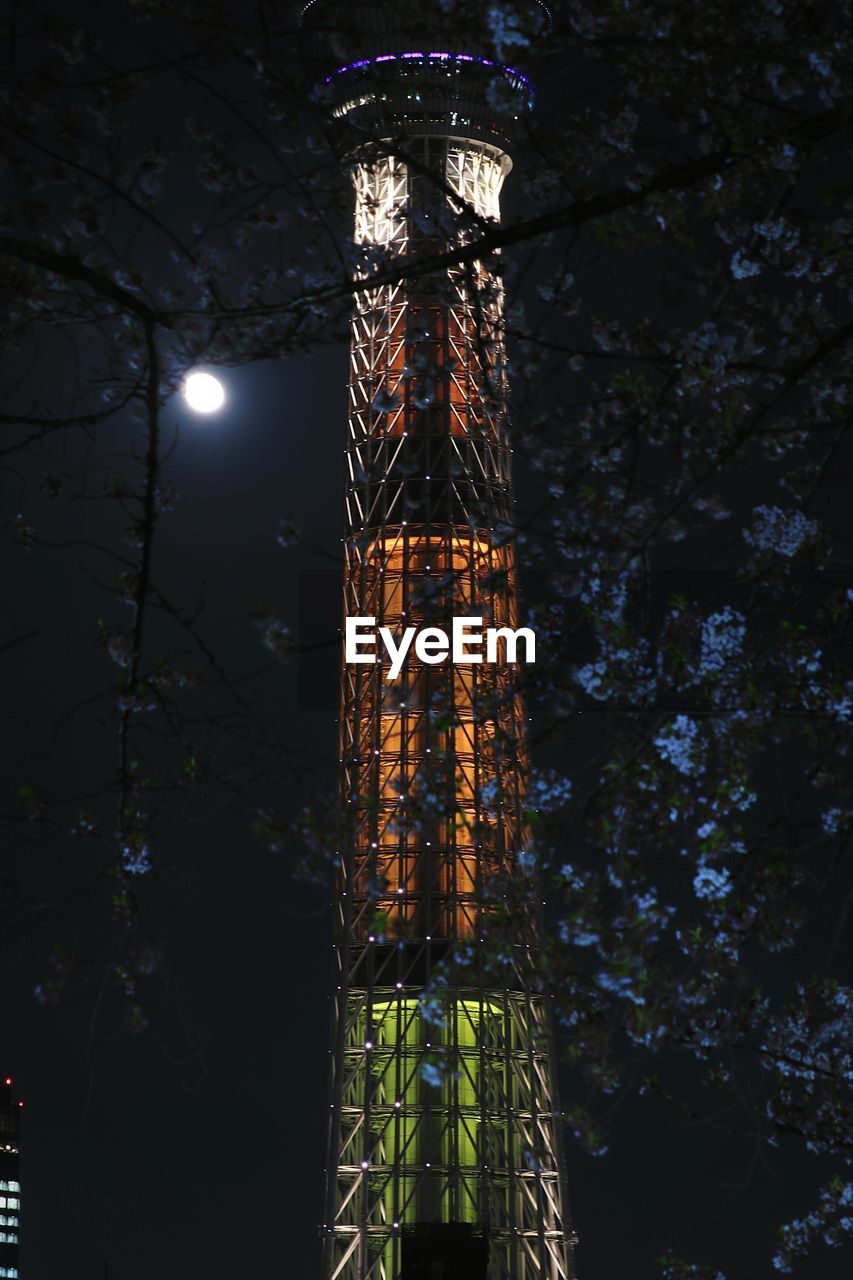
x=444, y=1153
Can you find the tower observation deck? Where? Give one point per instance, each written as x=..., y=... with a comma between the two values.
x=444, y=1153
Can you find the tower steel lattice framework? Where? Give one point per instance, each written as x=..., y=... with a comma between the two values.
x=444, y=1156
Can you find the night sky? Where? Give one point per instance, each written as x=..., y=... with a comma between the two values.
x=168, y=1167
x=137, y=1162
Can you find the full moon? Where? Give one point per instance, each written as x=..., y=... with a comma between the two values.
x=203, y=392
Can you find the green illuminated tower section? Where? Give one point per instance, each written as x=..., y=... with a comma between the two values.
x=444, y=1152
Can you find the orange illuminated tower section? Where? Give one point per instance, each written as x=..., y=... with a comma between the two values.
x=444, y=1152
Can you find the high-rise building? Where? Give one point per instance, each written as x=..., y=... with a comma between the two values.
x=444, y=1157
x=10, y=1178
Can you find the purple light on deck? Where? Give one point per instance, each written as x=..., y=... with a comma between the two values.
x=424, y=57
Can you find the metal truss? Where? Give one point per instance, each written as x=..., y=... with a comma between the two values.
x=444, y=1103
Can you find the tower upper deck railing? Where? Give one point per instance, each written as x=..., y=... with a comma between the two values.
x=407, y=68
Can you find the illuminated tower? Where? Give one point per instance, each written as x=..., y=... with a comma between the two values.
x=10, y=1178
x=444, y=1154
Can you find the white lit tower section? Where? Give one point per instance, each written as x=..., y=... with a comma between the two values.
x=444, y=1156
x=10, y=1177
